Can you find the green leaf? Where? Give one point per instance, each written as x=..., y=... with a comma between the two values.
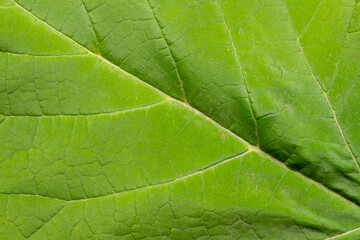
x=179, y=119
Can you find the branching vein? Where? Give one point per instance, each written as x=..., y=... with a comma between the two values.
x=170, y=52
x=90, y=114
x=240, y=69
x=325, y=95
x=343, y=234
x=210, y=167
x=254, y=148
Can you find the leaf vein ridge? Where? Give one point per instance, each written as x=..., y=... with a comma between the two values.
x=343, y=234
x=90, y=114
x=207, y=168
x=240, y=70
x=171, y=54
x=91, y=23
x=311, y=19
x=343, y=46
x=49, y=220
x=325, y=95
x=254, y=148
x=39, y=55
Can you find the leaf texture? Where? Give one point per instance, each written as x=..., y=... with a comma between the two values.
x=179, y=119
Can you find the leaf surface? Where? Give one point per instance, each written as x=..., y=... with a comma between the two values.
x=179, y=119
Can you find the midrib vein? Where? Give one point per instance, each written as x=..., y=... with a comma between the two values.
x=252, y=147
x=323, y=92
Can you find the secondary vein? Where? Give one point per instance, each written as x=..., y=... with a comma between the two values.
x=325, y=95
x=92, y=25
x=90, y=114
x=343, y=234
x=240, y=70
x=254, y=148
x=42, y=56
x=170, y=52
x=210, y=167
